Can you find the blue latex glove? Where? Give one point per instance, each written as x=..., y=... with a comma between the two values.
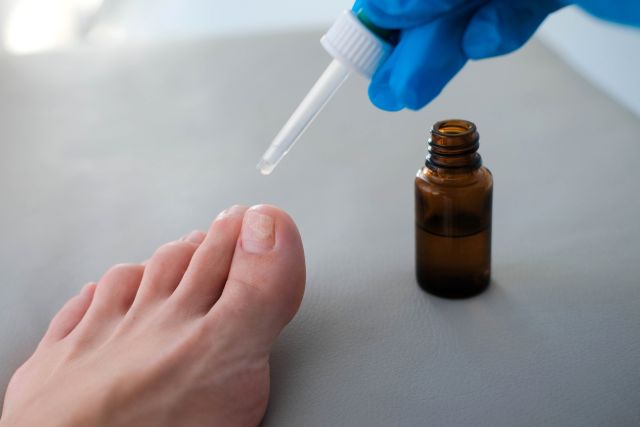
x=437, y=38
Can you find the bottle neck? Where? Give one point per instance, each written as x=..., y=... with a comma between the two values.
x=453, y=147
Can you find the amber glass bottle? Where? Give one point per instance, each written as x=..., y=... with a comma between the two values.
x=454, y=194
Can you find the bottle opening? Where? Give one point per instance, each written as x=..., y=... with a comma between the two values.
x=453, y=128
x=454, y=144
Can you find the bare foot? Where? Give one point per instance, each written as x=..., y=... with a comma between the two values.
x=181, y=341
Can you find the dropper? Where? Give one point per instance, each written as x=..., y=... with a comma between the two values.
x=356, y=45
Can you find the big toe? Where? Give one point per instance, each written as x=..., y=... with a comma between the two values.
x=266, y=280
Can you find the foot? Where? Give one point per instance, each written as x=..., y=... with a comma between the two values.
x=183, y=340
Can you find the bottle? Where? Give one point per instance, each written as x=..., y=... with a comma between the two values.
x=454, y=195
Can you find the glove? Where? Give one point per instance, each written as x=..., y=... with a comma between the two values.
x=437, y=37
x=625, y=12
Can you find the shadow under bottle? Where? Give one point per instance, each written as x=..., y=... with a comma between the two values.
x=454, y=195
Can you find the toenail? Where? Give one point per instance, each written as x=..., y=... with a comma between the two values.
x=233, y=210
x=87, y=287
x=258, y=232
x=196, y=237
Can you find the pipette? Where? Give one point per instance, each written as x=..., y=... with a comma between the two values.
x=356, y=45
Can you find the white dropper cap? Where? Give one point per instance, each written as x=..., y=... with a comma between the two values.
x=354, y=47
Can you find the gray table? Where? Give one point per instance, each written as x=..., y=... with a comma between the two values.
x=105, y=154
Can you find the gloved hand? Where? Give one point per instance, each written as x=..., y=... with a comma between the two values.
x=437, y=37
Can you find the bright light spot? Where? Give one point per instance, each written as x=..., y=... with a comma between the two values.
x=37, y=25
x=87, y=6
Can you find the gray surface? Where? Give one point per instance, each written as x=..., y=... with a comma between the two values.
x=107, y=154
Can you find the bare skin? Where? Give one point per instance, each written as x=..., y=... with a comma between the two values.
x=183, y=340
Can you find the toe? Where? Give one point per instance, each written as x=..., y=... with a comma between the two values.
x=70, y=315
x=166, y=268
x=266, y=280
x=204, y=279
x=116, y=291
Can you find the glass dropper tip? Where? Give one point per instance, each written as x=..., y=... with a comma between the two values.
x=356, y=45
x=266, y=167
x=272, y=157
x=328, y=84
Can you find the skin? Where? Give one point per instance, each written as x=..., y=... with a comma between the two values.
x=181, y=340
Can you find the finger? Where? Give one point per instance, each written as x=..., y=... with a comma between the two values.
x=402, y=14
x=624, y=12
x=424, y=61
x=502, y=26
